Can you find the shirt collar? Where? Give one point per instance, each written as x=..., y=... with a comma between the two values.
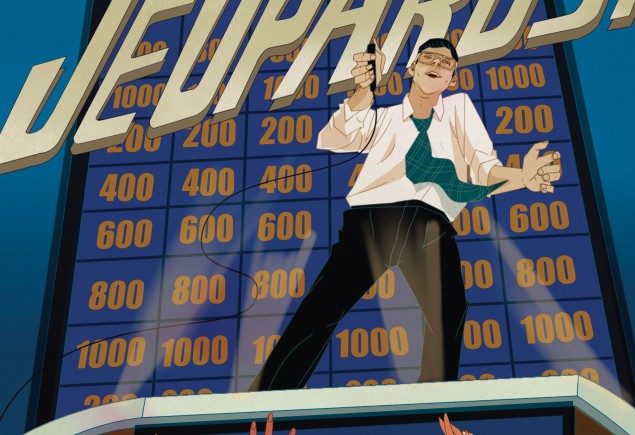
x=407, y=108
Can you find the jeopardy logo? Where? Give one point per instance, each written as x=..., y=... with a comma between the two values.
x=269, y=31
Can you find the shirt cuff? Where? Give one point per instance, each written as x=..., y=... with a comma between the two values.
x=353, y=120
x=484, y=168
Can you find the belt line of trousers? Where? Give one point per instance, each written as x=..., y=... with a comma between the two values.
x=411, y=235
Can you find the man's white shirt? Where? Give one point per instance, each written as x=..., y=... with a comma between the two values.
x=456, y=133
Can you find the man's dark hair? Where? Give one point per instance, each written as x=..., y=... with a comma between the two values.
x=439, y=43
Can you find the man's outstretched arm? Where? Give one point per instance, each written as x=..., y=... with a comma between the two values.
x=537, y=173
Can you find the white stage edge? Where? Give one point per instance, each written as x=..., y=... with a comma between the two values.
x=616, y=415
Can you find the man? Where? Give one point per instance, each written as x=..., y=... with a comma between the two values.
x=413, y=184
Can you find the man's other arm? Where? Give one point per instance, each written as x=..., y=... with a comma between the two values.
x=537, y=171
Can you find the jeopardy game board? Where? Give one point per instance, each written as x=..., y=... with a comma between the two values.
x=141, y=265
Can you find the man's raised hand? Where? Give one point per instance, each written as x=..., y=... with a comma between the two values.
x=364, y=76
x=363, y=72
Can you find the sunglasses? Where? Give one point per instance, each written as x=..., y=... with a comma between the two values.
x=428, y=58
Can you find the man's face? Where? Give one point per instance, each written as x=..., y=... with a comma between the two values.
x=433, y=71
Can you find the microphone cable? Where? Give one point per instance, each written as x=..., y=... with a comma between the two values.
x=208, y=256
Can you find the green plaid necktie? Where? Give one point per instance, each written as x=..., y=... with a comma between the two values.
x=422, y=167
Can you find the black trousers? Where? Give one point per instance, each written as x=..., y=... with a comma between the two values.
x=412, y=235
